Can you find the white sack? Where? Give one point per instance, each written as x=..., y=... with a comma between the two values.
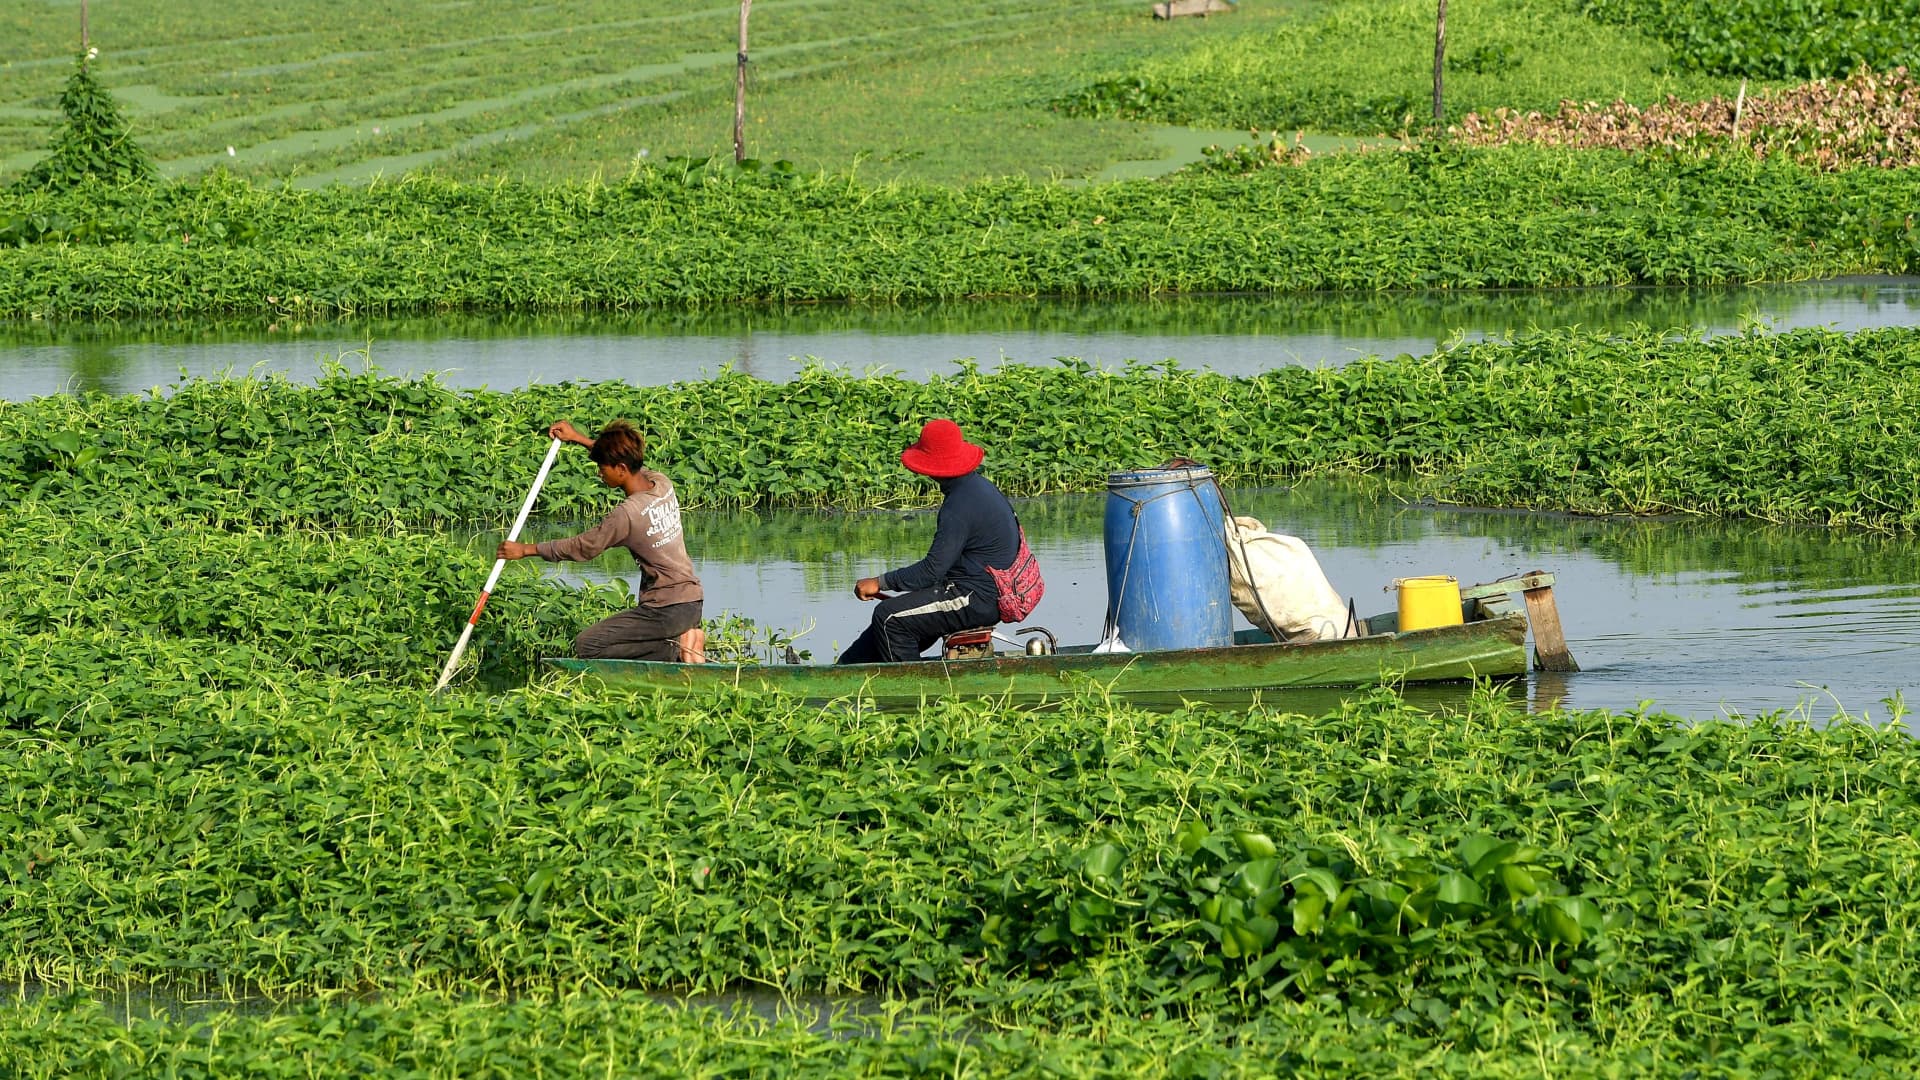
x=1291, y=587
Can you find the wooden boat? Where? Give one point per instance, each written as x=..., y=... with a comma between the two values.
x=1489, y=643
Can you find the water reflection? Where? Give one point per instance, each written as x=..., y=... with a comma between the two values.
x=1701, y=618
x=1232, y=334
x=95, y=366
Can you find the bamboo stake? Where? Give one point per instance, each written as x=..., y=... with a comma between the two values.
x=1739, y=104
x=493, y=579
x=740, y=90
x=1439, y=57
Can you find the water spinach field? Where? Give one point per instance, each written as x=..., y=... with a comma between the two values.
x=1439, y=217
x=240, y=836
x=225, y=779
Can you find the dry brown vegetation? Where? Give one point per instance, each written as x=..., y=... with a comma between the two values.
x=1868, y=119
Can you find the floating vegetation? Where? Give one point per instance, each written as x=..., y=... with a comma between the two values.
x=1776, y=39
x=1460, y=883
x=1794, y=427
x=1441, y=217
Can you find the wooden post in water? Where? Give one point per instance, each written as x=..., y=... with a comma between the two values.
x=1549, y=641
x=1439, y=57
x=740, y=90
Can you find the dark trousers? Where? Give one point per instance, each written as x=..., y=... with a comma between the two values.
x=642, y=633
x=903, y=626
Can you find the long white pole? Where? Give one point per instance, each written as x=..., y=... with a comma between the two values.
x=493, y=579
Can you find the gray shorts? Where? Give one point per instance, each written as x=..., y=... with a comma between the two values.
x=642, y=633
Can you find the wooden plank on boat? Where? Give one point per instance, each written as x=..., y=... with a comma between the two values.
x=1549, y=641
x=1537, y=579
x=1174, y=9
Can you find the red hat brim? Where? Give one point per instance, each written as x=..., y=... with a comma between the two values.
x=959, y=461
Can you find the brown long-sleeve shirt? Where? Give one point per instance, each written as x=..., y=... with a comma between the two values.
x=647, y=524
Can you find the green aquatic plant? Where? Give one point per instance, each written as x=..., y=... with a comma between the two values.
x=370, y=605
x=188, y=815
x=1386, y=930
x=94, y=146
x=1779, y=427
x=1447, y=217
x=1772, y=39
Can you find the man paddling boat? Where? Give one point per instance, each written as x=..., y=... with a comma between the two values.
x=665, y=623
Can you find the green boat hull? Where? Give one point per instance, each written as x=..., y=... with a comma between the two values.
x=1493, y=647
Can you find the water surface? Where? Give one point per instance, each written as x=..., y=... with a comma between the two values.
x=1239, y=335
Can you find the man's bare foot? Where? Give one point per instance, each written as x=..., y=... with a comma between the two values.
x=693, y=646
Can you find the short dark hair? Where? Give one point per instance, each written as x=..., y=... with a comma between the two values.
x=620, y=443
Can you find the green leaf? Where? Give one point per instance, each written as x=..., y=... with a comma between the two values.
x=1482, y=853
x=1459, y=890
x=1256, y=877
x=1584, y=911
x=1309, y=908
x=1249, y=938
x=1559, y=925
x=1190, y=835
x=1519, y=884
x=1320, y=878
x=1101, y=862
x=1255, y=845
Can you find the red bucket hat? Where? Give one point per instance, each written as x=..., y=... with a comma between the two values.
x=942, y=452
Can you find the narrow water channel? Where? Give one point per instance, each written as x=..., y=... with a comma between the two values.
x=1230, y=334
x=1699, y=618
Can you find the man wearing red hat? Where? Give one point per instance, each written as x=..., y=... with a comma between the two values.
x=951, y=589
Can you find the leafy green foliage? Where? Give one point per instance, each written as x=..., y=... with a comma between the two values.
x=288, y=831
x=94, y=145
x=1442, y=217
x=1232, y=910
x=1788, y=427
x=381, y=606
x=438, y=1034
x=1774, y=39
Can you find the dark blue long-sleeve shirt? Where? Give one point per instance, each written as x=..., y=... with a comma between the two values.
x=977, y=529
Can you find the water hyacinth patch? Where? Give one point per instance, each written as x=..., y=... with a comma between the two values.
x=1772, y=38
x=1444, y=217
x=303, y=833
x=348, y=605
x=1389, y=929
x=1790, y=427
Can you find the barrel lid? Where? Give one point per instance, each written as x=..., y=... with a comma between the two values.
x=1189, y=474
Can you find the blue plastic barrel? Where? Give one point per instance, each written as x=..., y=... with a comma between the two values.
x=1167, y=560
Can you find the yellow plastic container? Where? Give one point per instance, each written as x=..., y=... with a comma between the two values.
x=1427, y=602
